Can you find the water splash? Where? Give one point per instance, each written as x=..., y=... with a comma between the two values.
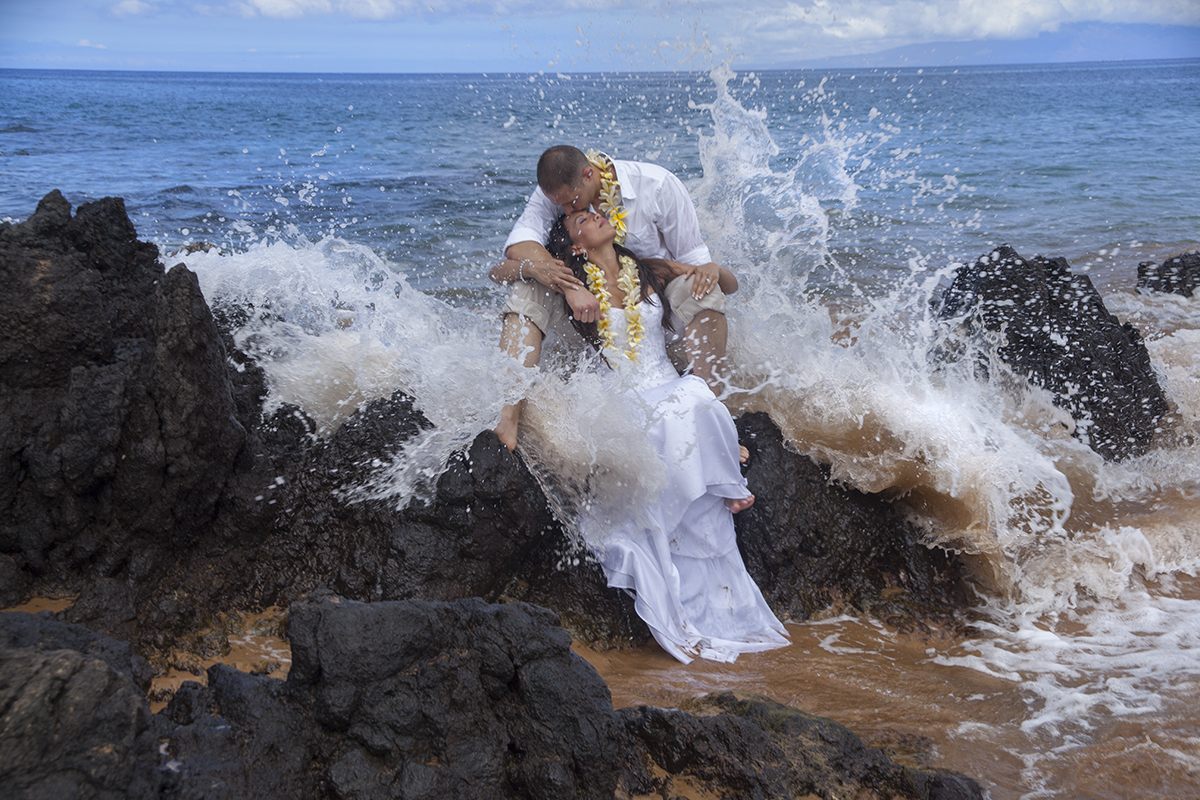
x=335, y=326
x=840, y=360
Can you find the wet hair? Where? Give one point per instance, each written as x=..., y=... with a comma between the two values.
x=560, y=167
x=654, y=273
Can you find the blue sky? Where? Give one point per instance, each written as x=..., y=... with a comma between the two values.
x=582, y=35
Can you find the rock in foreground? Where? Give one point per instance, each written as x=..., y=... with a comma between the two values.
x=413, y=699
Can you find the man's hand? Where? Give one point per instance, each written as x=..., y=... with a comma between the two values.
x=529, y=261
x=707, y=277
x=551, y=273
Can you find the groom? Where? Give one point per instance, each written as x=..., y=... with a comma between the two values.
x=651, y=208
x=646, y=203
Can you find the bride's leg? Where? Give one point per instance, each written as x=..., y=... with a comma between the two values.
x=522, y=340
x=705, y=341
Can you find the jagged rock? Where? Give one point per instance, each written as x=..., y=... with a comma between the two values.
x=43, y=632
x=72, y=726
x=119, y=430
x=14, y=582
x=754, y=748
x=1178, y=275
x=453, y=700
x=1057, y=332
x=243, y=735
x=484, y=524
x=809, y=544
x=106, y=604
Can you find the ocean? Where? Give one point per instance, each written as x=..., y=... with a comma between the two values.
x=361, y=213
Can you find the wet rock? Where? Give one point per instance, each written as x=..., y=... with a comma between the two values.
x=453, y=700
x=810, y=544
x=755, y=749
x=1055, y=330
x=43, y=632
x=190, y=703
x=1178, y=275
x=244, y=736
x=14, y=582
x=409, y=699
x=106, y=604
x=72, y=726
x=485, y=519
x=403, y=699
x=119, y=430
x=568, y=580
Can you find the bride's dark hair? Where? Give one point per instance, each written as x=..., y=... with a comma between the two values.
x=654, y=273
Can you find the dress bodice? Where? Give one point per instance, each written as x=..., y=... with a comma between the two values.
x=652, y=367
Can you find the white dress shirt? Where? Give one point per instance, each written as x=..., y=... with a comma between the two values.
x=661, y=221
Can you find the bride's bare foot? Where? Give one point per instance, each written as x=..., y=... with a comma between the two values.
x=510, y=423
x=740, y=503
x=743, y=454
x=507, y=434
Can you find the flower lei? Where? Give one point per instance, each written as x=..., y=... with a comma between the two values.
x=610, y=193
x=630, y=283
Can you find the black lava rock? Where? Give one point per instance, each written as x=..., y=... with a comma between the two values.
x=809, y=543
x=1057, y=332
x=407, y=699
x=71, y=725
x=756, y=749
x=1178, y=275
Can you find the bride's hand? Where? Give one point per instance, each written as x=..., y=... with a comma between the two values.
x=705, y=278
x=584, y=305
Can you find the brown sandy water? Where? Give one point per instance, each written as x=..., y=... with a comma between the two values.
x=898, y=692
x=255, y=644
x=35, y=605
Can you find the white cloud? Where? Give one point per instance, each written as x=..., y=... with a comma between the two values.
x=392, y=9
x=130, y=8
x=295, y=9
x=815, y=24
x=886, y=21
x=86, y=43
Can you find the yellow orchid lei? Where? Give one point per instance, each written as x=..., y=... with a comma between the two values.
x=630, y=282
x=610, y=193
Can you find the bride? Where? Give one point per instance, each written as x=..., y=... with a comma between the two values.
x=679, y=557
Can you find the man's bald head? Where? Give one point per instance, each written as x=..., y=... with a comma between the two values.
x=560, y=167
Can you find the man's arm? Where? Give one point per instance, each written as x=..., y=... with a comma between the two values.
x=677, y=223
x=531, y=261
x=525, y=261
x=676, y=220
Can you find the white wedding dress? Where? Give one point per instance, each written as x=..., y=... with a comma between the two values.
x=679, y=557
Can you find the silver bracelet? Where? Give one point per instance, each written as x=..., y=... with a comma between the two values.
x=521, y=270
